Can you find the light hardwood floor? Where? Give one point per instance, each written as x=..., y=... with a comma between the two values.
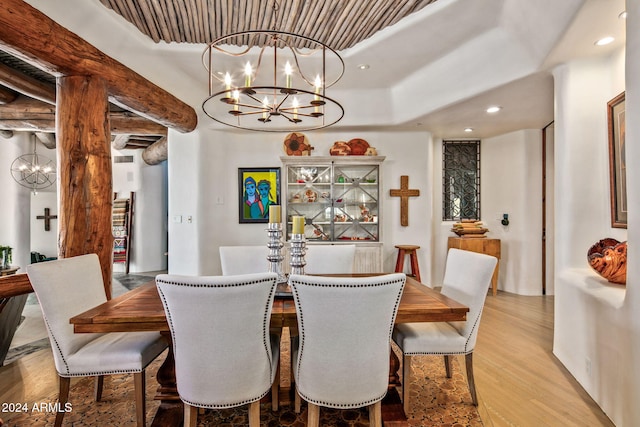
x=519, y=381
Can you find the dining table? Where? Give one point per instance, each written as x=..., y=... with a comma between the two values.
x=141, y=310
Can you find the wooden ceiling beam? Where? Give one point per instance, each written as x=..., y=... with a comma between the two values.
x=47, y=139
x=27, y=114
x=7, y=95
x=35, y=38
x=156, y=152
x=27, y=85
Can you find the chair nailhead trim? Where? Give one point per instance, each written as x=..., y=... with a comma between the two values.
x=266, y=338
x=436, y=353
x=302, y=334
x=226, y=405
x=343, y=406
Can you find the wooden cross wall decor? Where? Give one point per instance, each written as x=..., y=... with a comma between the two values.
x=47, y=218
x=404, y=193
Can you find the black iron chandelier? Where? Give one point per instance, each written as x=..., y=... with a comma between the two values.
x=272, y=81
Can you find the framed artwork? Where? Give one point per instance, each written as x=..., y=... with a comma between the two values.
x=258, y=188
x=617, y=162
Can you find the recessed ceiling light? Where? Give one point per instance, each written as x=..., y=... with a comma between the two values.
x=468, y=129
x=363, y=66
x=604, y=41
x=623, y=15
x=493, y=109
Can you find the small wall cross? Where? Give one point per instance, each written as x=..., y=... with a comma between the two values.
x=47, y=218
x=404, y=193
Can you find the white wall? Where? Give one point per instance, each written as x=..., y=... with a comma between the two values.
x=631, y=327
x=511, y=178
x=149, y=228
x=14, y=216
x=510, y=181
x=596, y=323
x=203, y=185
x=203, y=171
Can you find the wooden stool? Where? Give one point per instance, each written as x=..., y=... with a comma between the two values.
x=410, y=250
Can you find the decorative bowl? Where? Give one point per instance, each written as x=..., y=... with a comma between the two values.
x=608, y=258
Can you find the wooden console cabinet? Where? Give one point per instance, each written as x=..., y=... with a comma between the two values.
x=483, y=246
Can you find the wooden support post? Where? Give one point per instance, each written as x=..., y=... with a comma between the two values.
x=85, y=175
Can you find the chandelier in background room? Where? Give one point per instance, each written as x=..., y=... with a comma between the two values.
x=272, y=81
x=33, y=170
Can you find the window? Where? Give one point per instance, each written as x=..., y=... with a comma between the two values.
x=460, y=180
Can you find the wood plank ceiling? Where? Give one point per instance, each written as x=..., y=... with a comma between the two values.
x=338, y=23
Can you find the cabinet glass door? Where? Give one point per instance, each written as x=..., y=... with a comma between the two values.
x=355, y=202
x=309, y=195
x=339, y=200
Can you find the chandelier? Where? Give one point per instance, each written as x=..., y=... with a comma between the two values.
x=272, y=81
x=33, y=170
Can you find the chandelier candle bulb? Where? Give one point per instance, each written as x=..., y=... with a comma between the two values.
x=247, y=74
x=298, y=225
x=274, y=214
x=236, y=100
x=227, y=84
x=318, y=85
x=288, y=71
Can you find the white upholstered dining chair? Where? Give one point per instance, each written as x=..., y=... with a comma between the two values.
x=224, y=354
x=466, y=279
x=329, y=259
x=341, y=356
x=244, y=259
x=70, y=286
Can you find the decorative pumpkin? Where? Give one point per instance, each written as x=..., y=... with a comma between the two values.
x=608, y=258
x=358, y=146
x=371, y=151
x=340, y=148
x=297, y=144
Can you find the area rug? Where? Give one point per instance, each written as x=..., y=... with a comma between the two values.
x=439, y=402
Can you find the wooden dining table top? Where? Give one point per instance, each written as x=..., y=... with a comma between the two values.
x=141, y=310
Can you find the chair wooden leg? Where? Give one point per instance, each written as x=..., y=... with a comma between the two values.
x=139, y=390
x=375, y=414
x=254, y=414
x=275, y=390
x=97, y=387
x=63, y=397
x=313, y=415
x=468, y=361
x=406, y=382
x=190, y=415
x=447, y=365
x=293, y=334
x=297, y=403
